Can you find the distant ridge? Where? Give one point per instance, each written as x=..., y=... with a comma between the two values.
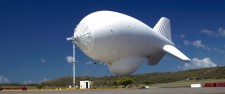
x=150, y=78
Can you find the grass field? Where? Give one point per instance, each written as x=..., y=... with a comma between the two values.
x=186, y=83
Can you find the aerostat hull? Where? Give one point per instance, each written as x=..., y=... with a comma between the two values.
x=116, y=38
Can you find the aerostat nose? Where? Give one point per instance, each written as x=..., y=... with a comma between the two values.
x=83, y=37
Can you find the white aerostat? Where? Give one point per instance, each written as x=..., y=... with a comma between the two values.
x=124, y=42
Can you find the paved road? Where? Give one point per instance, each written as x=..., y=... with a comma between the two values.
x=129, y=91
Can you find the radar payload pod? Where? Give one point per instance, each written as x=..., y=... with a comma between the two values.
x=124, y=42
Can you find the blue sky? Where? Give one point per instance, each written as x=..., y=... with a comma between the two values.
x=33, y=33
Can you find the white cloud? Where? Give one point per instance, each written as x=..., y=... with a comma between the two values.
x=4, y=80
x=198, y=44
x=43, y=60
x=222, y=51
x=215, y=49
x=186, y=42
x=27, y=82
x=182, y=36
x=103, y=63
x=89, y=63
x=44, y=79
x=69, y=59
x=206, y=31
x=199, y=63
x=219, y=33
x=219, y=50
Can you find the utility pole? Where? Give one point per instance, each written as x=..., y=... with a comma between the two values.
x=73, y=60
x=74, y=66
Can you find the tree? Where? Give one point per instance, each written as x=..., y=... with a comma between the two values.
x=149, y=82
x=125, y=81
x=40, y=86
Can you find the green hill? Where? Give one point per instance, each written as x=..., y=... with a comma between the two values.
x=146, y=78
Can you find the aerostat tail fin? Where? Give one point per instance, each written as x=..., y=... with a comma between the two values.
x=175, y=52
x=163, y=27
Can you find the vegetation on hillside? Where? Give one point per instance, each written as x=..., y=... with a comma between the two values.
x=124, y=81
x=146, y=78
x=135, y=79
